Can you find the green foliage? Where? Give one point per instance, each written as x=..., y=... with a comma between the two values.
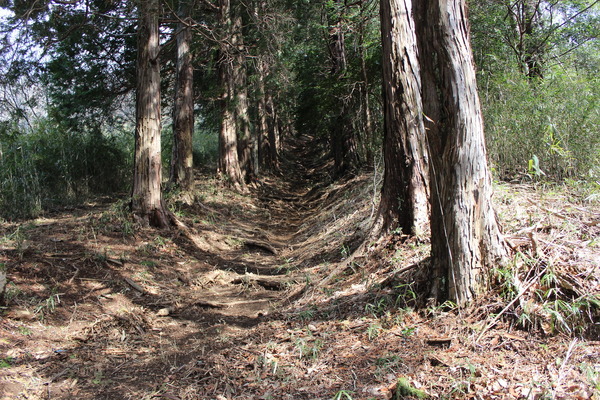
x=48, y=305
x=592, y=375
x=389, y=363
x=205, y=147
x=309, y=348
x=554, y=121
x=551, y=114
x=6, y=362
x=307, y=314
x=338, y=98
x=554, y=307
x=567, y=314
x=378, y=307
x=374, y=330
x=343, y=394
x=532, y=38
x=52, y=166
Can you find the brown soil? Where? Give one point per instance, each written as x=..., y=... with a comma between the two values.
x=98, y=308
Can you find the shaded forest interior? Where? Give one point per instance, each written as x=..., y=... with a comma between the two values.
x=273, y=199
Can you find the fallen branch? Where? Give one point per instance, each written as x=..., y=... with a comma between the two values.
x=261, y=245
x=360, y=252
x=561, y=216
x=135, y=285
x=209, y=209
x=269, y=283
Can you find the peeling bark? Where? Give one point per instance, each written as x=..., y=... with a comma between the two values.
x=182, y=173
x=241, y=95
x=404, y=199
x=147, y=201
x=229, y=164
x=466, y=239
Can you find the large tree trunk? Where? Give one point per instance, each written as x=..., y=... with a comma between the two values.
x=241, y=95
x=229, y=164
x=182, y=173
x=465, y=238
x=404, y=198
x=147, y=201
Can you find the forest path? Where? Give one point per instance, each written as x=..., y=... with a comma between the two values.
x=122, y=308
x=252, y=245
x=234, y=307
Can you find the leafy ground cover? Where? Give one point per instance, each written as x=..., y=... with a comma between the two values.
x=264, y=297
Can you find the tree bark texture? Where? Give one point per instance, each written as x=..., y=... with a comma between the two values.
x=182, y=173
x=337, y=43
x=274, y=133
x=404, y=199
x=261, y=109
x=147, y=201
x=465, y=238
x=229, y=164
x=368, y=124
x=343, y=142
x=241, y=94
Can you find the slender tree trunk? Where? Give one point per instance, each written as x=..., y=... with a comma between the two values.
x=182, y=173
x=337, y=43
x=261, y=106
x=344, y=144
x=368, y=139
x=404, y=198
x=147, y=201
x=465, y=238
x=533, y=50
x=2, y=277
x=525, y=16
x=229, y=164
x=343, y=141
x=274, y=132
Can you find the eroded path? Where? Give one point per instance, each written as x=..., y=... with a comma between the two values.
x=100, y=308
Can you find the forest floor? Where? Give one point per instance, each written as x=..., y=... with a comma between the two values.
x=261, y=298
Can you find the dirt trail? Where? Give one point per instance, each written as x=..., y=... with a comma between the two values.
x=99, y=308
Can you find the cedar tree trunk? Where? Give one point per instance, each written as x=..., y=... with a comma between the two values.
x=343, y=141
x=147, y=201
x=241, y=95
x=182, y=173
x=404, y=199
x=274, y=132
x=261, y=109
x=229, y=164
x=465, y=238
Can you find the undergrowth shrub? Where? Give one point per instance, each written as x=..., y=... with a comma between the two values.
x=205, y=147
x=51, y=166
x=552, y=122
